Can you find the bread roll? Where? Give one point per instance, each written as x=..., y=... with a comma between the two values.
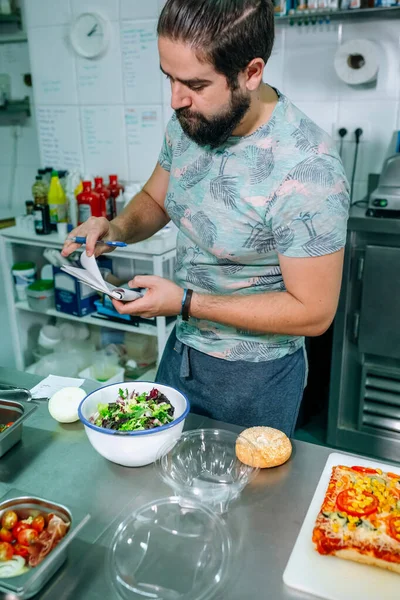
x=273, y=447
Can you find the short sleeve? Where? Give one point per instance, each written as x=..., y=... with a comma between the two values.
x=308, y=213
x=165, y=156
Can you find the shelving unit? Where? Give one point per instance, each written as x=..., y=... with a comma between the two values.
x=18, y=244
x=314, y=17
x=11, y=30
x=15, y=112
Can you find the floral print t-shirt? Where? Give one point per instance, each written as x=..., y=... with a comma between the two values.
x=281, y=189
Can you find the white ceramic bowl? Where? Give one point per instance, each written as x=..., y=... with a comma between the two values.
x=132, y=448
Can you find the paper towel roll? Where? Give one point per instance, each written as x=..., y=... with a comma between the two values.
x=356, y=62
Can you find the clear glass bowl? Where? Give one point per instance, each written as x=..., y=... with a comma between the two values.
x=202, y=467
x=165, y=552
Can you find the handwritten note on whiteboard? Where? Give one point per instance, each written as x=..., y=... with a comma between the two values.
x=144, y=131
x=141, y=68
x=100, y=80
x=59, y=136
x=104, y=140
x=53, y=67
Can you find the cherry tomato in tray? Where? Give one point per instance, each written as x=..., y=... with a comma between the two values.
x=6, y=551
x=26, y=537
x=9, y=519
x=21, y=550
x=38, y=523
x=6, y=535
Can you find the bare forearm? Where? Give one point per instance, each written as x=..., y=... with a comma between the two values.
x=140, y=219
x=274, y=312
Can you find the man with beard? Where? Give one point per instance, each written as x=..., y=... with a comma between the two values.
x=260, y=199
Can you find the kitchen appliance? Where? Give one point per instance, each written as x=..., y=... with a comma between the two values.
x=385, y=200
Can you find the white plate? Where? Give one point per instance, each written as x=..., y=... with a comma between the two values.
x=330, y=577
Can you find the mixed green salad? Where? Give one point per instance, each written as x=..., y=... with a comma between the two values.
x=135, y=412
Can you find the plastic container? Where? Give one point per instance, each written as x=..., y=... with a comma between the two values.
x=24, y=274
x=90, y=373
x=49, y=337
x=202, y=467
x=163, y=551
x=40, y=295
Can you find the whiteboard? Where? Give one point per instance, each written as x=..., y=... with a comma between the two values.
x=59, y=137
x=139, y=9
x=144, y=130
x=104, y=142
x=53, y=66
x=40, y=13
x=100, y=80
x=140, y=60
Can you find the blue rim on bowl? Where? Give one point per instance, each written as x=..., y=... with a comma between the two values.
x=141, y=432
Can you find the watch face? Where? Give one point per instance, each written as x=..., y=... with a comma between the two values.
x=89, y=35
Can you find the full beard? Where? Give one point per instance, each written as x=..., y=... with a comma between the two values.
x=216, y=130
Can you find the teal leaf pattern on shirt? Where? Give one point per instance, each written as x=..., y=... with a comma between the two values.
x=308, y=136
x=284, y=237
x=265, y=130
x=273, y=277
x=199, y=275
x=228, y=266
x=196, y=172
x=260, y=162
x=253, y=351
x=325, y=243
x=307, y=219
x=338, y=203
x=260, y=239
x=204, y=228
x=314, y=169
x=182, y=144
x=223, y=187
x=176, y=211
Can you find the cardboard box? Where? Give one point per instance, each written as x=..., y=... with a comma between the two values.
x=71, y=296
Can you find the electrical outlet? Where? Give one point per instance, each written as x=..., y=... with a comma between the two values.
x=5, y=88
x=351, y=127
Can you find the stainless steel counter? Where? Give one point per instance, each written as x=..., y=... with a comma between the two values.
x=57, y=462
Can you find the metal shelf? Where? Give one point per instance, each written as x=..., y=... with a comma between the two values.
x=12, y=19
x=93, y=320
x=15, y=112
x=308, y=17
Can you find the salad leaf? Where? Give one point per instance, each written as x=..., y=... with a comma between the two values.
x=135, y=412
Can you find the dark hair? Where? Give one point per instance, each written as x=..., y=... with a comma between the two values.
x=226, y=33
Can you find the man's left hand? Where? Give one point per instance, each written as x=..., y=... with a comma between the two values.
x=163, y=298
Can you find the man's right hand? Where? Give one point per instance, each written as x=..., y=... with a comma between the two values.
x=95, y=228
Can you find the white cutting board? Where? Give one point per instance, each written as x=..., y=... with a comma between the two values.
x=329, y=577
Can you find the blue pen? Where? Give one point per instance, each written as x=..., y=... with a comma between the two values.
x=82, y=240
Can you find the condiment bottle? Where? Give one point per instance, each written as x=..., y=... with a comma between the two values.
x=89, y=203
x=57, y=201
x=105, y=197
x=41, y=213
x=115, y=188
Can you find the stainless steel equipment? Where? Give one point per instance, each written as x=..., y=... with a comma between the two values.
x=385, y=200
x=15, y=412
x=28, y=584
x=364, y=404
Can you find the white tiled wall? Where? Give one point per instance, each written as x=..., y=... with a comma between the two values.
x=302, y=67
x=106, y=92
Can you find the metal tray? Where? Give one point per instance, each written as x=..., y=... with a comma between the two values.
x=28, y=584
x=10, y=410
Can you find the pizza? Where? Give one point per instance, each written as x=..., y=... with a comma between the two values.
x=360, y=517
